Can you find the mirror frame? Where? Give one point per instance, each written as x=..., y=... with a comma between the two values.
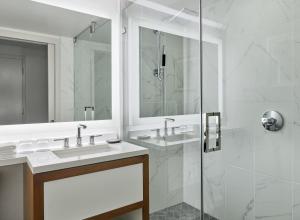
x=54, y=69
x=135, y=121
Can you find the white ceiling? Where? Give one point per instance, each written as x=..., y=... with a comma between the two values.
x=192, y=5
x=32, y=16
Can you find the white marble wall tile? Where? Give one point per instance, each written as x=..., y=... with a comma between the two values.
x=192, y=174
x=273, y=152
x=273, y=198
x=296, y=203
x=175, y=175
x=239, y=194
x=66, y=90
x=238, y=149
x=214, y=184
x=296, y=152
x=166, y=177
x=158, y=174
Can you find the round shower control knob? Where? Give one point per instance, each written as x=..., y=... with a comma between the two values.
x=272, y=121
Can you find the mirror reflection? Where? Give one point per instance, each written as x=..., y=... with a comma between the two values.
x=55, y=64
x=169, y=67
x=23, y=82
x=93, y=72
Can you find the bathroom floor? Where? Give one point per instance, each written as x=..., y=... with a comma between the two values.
x=181, y=211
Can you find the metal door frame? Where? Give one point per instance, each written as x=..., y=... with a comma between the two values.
x=201, y=112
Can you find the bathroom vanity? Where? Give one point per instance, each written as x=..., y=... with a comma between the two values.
x=87, y=183
x=97, y=191
x=102, y=181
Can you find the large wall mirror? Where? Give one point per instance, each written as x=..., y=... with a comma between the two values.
x=164, y=72
x=55, y=64
x=169, y=74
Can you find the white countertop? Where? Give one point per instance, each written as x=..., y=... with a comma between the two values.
x=163, y=143
x=155, y=142
x=45, y=161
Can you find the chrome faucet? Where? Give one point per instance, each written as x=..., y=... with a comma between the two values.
x=166, y=125
x=79, y=137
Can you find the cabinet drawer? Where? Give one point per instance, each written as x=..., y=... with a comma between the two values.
x=91, y=194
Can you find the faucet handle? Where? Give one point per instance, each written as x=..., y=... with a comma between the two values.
x=157, y=130
x=66, y=141
x=82, y=126
x=173, y=129
x=170, y=119
x=92, y=138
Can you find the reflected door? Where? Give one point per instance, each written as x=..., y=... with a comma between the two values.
x=11, y=109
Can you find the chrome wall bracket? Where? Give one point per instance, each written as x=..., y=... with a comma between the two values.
x=206, y=132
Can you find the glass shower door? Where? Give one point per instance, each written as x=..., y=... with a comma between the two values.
x=161, y=58
x=250, y=71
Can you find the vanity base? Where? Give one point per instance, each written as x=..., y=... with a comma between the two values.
x=44, y=198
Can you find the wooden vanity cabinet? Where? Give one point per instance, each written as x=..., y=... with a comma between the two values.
x=98, y=191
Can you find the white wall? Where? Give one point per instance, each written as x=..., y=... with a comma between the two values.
x=65, y=81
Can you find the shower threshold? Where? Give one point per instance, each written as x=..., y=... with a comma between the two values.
x=180, y=211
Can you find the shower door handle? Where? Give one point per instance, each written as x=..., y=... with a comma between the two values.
x=206, y=132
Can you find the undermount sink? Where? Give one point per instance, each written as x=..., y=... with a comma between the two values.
x=83, y=151
x=178, y=137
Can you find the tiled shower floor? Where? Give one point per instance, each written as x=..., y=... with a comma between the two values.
x=181, y=211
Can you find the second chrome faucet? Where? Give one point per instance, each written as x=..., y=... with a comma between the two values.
x=79, y=136
x=166, y=125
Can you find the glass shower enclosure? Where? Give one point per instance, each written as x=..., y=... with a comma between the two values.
x=212, y=90
x=251, y=170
